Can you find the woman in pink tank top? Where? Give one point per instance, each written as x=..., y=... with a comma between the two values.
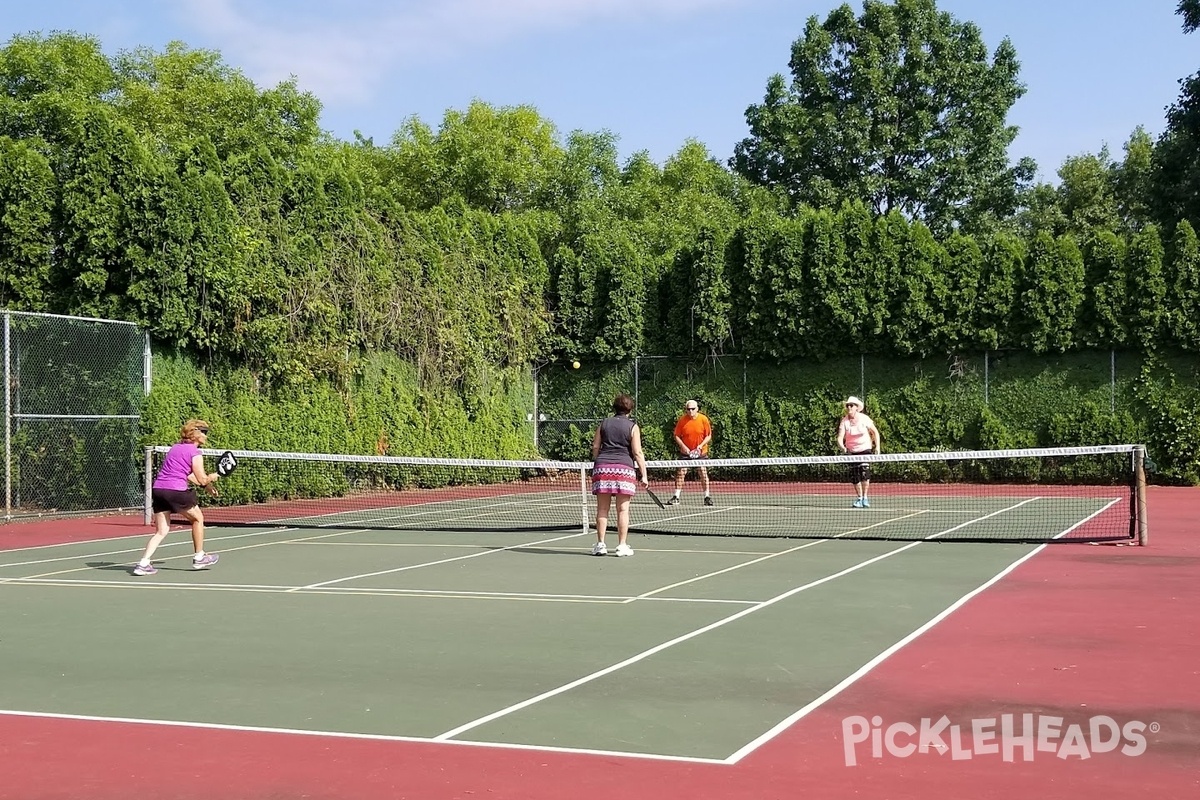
x=858, y=435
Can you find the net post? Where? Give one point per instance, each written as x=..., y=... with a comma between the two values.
x=8, y=384
x=1139, y=479
x=147, y=483
x=583, y=500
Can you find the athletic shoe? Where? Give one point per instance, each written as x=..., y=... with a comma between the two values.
x=708, y=501
x=207, y=560
x=674, y=501
x=624, y=550
x=866, y=503
x=859, y=503
x=149, y=569
x=600, y=549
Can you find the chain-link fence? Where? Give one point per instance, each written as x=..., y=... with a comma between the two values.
x=737, y=393
x=74, y=388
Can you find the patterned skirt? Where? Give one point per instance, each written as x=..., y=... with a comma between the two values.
x=614, y=479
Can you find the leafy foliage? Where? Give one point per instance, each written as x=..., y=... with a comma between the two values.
x=901, y=108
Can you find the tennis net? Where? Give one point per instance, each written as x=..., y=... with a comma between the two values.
x=1035, y=495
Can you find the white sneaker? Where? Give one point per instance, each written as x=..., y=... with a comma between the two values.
x=600, y=549
x=624, y=550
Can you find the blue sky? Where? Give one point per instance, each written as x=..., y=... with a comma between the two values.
x=653, y=72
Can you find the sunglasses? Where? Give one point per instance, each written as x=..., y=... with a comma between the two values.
x=202, y=430
x=692, y=408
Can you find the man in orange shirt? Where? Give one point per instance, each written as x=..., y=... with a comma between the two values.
x=693, y=433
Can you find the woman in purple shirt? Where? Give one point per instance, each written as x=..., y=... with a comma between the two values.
x=174, y=491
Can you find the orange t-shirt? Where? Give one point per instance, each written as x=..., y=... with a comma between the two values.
x=693, y=431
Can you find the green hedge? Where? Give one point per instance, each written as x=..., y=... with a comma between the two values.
x=1009, y=400
x=378, y=411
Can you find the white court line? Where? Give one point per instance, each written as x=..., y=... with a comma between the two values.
x=368, y=736
x=533, y=499
x=213, y=539
x=277, y=526
x=543, y=748
x=258, y=588
x=879, y=659
x=697, y=632
x=440, y=561
x=650, y=594
x=292, y=540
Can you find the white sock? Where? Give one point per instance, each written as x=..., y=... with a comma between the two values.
x=677, y=493
x=198, y=556
x=145, y=562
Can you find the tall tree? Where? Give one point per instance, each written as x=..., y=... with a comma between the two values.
x=1004, y=255
x=1085, y=194
x=1183, y=319
x=1102, y=319
x=1176, y=184
x=1190, y=11
x=495, y=159
x=1147, y=287
x=1051, y=293
x=901, y=108
x=27, y=191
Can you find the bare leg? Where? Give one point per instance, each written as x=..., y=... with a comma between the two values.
x=679, y=481
x=622, y=518
x=197, y=517
x=162, y=526
x=704, y=480
x=602, y=506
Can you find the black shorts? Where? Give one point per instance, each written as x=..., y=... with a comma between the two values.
x=860, y=472
x=178, y=500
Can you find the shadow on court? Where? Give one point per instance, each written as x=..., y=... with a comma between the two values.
x=127, y=566
x=545, y=551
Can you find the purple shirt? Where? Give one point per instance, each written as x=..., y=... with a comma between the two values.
x=176, y=467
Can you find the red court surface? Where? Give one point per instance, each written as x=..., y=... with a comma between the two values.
x=1077, y=633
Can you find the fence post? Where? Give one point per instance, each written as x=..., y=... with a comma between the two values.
x=985, y=375
x=534, y=418
x=1112, y=381
x=637, y=381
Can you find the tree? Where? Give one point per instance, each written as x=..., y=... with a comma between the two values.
x=1085, y=194
x=1004, y=255
x=920, y=296
x=26, y=236
x=901, y=108
x=1183, y=319
x=1133, y=178
x=1147, y=287
x=1190, y=11
x=1102, y=319
x=1176, y=184
x=1051, y=292
x=495, y=159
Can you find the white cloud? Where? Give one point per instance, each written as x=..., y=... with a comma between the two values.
x=342, y=52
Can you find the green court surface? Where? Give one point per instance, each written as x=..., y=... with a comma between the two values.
x=696, y=647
